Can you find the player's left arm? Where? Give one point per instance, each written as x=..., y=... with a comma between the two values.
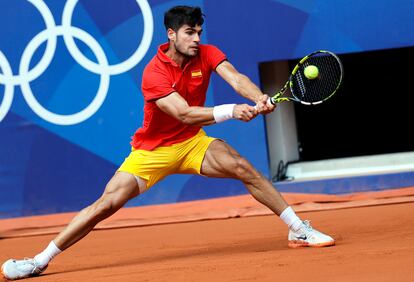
x=244, y=86
x=177, y=107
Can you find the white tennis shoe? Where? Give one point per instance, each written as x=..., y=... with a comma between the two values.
x=18, y=269
x=306, y=236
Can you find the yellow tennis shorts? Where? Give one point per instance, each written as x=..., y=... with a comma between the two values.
x=185, y=158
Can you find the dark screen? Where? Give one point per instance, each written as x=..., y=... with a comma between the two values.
x=372, y=113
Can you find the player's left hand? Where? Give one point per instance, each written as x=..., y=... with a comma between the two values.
x=244, y=112
x=263, y=107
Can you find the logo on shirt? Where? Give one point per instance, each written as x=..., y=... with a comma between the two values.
x=196, y=73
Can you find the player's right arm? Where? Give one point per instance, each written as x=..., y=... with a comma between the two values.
x=175, y=105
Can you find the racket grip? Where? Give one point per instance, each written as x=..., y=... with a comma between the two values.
x=269, y=103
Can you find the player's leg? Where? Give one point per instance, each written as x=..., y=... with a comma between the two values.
x=122, y=187
x=221, y=160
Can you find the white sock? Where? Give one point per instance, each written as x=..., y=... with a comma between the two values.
x=291, y=219
x=47, y=255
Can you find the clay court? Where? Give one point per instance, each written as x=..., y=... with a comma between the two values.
x=241, y=242
x=85, y=84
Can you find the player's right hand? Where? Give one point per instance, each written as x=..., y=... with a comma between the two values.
x=244, y=112
x=263, y=106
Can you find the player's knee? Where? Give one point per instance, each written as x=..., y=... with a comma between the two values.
x=104, y=208
x=242, y=167
x=244, y=171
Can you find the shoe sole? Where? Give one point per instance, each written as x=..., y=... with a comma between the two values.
x=302, y=244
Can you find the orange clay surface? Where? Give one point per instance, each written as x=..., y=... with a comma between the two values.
x=374, y=243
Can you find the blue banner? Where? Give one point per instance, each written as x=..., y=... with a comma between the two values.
x=70, y=75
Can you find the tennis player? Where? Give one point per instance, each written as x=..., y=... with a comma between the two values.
x=171, y=139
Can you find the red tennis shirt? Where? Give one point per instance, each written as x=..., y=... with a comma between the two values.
x=161, y=77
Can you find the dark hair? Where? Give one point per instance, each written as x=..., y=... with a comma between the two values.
x=178, y=16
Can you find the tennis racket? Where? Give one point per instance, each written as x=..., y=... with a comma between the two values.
x=312, y=91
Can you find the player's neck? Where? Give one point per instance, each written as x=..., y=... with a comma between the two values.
x=177, y=56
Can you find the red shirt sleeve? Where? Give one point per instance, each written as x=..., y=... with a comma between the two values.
x=214, y=56
x=156, y=83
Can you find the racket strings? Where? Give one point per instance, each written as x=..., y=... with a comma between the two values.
x=322, y=87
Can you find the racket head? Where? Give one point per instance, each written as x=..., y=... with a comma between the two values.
x=317, y=90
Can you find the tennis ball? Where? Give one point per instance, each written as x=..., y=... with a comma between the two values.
x=311, y=72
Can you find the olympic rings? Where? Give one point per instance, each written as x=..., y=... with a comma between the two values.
x=68, y=32
x=8, y=92
x=49, y=52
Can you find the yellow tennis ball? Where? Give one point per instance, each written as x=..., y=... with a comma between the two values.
x=311, y=72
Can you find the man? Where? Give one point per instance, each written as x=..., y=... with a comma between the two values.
x=171, y=139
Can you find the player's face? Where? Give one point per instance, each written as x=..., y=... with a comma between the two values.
x=187, y=40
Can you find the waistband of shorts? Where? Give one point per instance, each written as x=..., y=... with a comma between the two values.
x=199, y=134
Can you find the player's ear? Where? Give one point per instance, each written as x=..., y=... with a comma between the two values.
x=171, y=34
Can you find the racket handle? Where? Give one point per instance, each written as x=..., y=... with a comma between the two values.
x=269, y=103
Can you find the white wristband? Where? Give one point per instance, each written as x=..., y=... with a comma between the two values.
x=223, y=112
